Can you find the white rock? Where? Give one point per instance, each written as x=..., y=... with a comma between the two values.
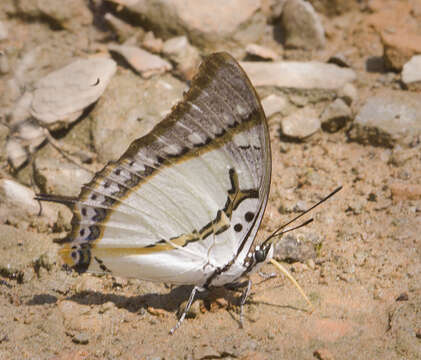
x=210, y=24
x=273, y=104
x=300, y=124
x=186, y=56
x=348, y=93
x=4, y=63
x=335, y=116
x=3, y=31
x=411, y=73
x=300, y=75
x=60, y=97
x=302, y=25
x=261, y=51
x=59, y=177
x=16, y=154
x=144, y=62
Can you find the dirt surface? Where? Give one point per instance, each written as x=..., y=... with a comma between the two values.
x=363, y=274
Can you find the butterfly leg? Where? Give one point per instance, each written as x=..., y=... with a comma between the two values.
x=187, y=308
x=243, y=299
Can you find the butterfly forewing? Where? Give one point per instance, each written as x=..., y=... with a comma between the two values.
x=186, y=199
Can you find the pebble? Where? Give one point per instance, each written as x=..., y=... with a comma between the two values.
x=261, y=52
x=59, y=177
x=81, y=338
x=60, y=97
x=207, y=22
x=339, y=59
x=144, y=62
x=183, y=54
x=348, y=93
x=4, y=33
x=123, y=30
x=298, y=75
x=323, y=354
x=405, y=191
x=399, y=47
x=139, y=106
x=292, y=249
x=4, y=63
x=151, y=43
x=411, y=73
x=335, y=116
x=303, y=27
x=387, y=119
x=274, y=104
x=301, y=124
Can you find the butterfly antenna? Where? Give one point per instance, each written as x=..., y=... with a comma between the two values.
x=278, y=232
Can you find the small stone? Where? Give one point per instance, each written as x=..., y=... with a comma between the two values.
x=151, y=43
x=4, y=63
x=261, y=52
x=273, y=104
x=60, y=97
x=298, y=75
x=399, y=47
x=348, y=93
x=323, y=354
x=339, y=59
x=183, y=54
x=403, y=297
x=388, y=119
x=144, y=62
x=411, y=73
x=59, y=177
x=81, y=338
x=157, y=312
x=302, y=26
x=335, y=116
x=123, y=30
x=300, y=124
x=3, y=31
x=291, y=248
x=401, y=191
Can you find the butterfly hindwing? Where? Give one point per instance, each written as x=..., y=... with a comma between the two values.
x=186, y=199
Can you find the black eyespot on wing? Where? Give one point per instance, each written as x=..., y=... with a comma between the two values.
x=238, y=227
x=249, y=216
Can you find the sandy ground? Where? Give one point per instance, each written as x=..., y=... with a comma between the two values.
x=364, y=279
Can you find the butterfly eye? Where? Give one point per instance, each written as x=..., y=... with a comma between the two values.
x=260, y=255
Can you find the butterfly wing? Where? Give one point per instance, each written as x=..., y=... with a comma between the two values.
x=184, y=201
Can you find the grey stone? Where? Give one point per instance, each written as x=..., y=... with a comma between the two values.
x=335, y=116
x=18, y=205
x=298, y=75
x=388, y=118
x=72, y=16
x=293, y=248
x=129, y=109
x=4, y=33
x=81, y=338
x=123, y=30
x=300, y=124
x=302, y=26
x=210, y=24
x=4, y=63
x=411, y=73
x=59, y=177
x=183, y=54
x=261, y=52
x=60, y=97
x=144, y=62
x=273, y=104
x=348, y=93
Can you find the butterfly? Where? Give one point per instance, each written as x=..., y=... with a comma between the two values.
x=183, y=204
